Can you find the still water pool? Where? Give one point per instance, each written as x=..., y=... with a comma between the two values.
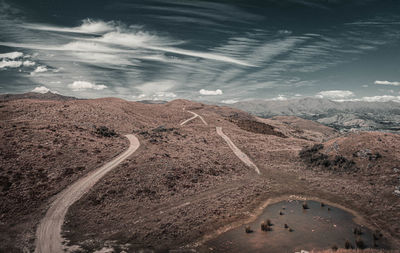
x=318, y=227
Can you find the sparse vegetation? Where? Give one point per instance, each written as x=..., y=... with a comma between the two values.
x=266, y=226
x=314, y=157
x=105, y=131
x=257, y=127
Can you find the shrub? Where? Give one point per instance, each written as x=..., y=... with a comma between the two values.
x=357, y=231
x=105, y=131
x=248, y=230
x=360, y=243
x=265, y=227
x=347, y=245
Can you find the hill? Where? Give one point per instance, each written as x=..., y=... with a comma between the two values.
x=35, y=95
x=184, y=182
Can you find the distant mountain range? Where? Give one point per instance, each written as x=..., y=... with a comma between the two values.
x=344, y=116
x=35, y=95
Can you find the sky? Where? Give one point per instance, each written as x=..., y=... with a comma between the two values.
x=218, y=51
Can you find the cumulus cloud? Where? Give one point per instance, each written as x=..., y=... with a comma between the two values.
x=39, y=69
x=387, y=83
x=11, y=55
x=84, y=85
x=10, y=60
x=335, y=94
x=41, y=89
x=28, y=63
x=210, y=92
x=10, y=64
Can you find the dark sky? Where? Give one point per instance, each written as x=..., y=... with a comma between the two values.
x=204, y=50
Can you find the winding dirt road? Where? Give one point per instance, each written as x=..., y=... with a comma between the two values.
x=242, y=156
x=195, y=115
x=48, y=234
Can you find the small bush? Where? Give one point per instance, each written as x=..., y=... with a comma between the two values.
x=360, y=243
x=105, y=131
x=348, y=245
x=265, y=227
x=248, y=230
x=357, y=231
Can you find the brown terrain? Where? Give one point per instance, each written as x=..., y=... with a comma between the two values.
x=184, y=184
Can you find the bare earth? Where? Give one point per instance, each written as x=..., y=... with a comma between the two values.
x=242, y=156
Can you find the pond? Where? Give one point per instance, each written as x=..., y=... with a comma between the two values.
x=318, y=226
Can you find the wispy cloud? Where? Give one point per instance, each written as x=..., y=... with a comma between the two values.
x=88, y=26
x=335, y=94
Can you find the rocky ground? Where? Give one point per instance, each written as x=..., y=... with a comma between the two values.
x=184, y=183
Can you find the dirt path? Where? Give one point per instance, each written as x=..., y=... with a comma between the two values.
x=48, y=234
x=242, y=156
x=195, y=115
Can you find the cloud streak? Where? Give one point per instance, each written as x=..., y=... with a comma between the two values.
x=335, y=94
x=387, y=83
